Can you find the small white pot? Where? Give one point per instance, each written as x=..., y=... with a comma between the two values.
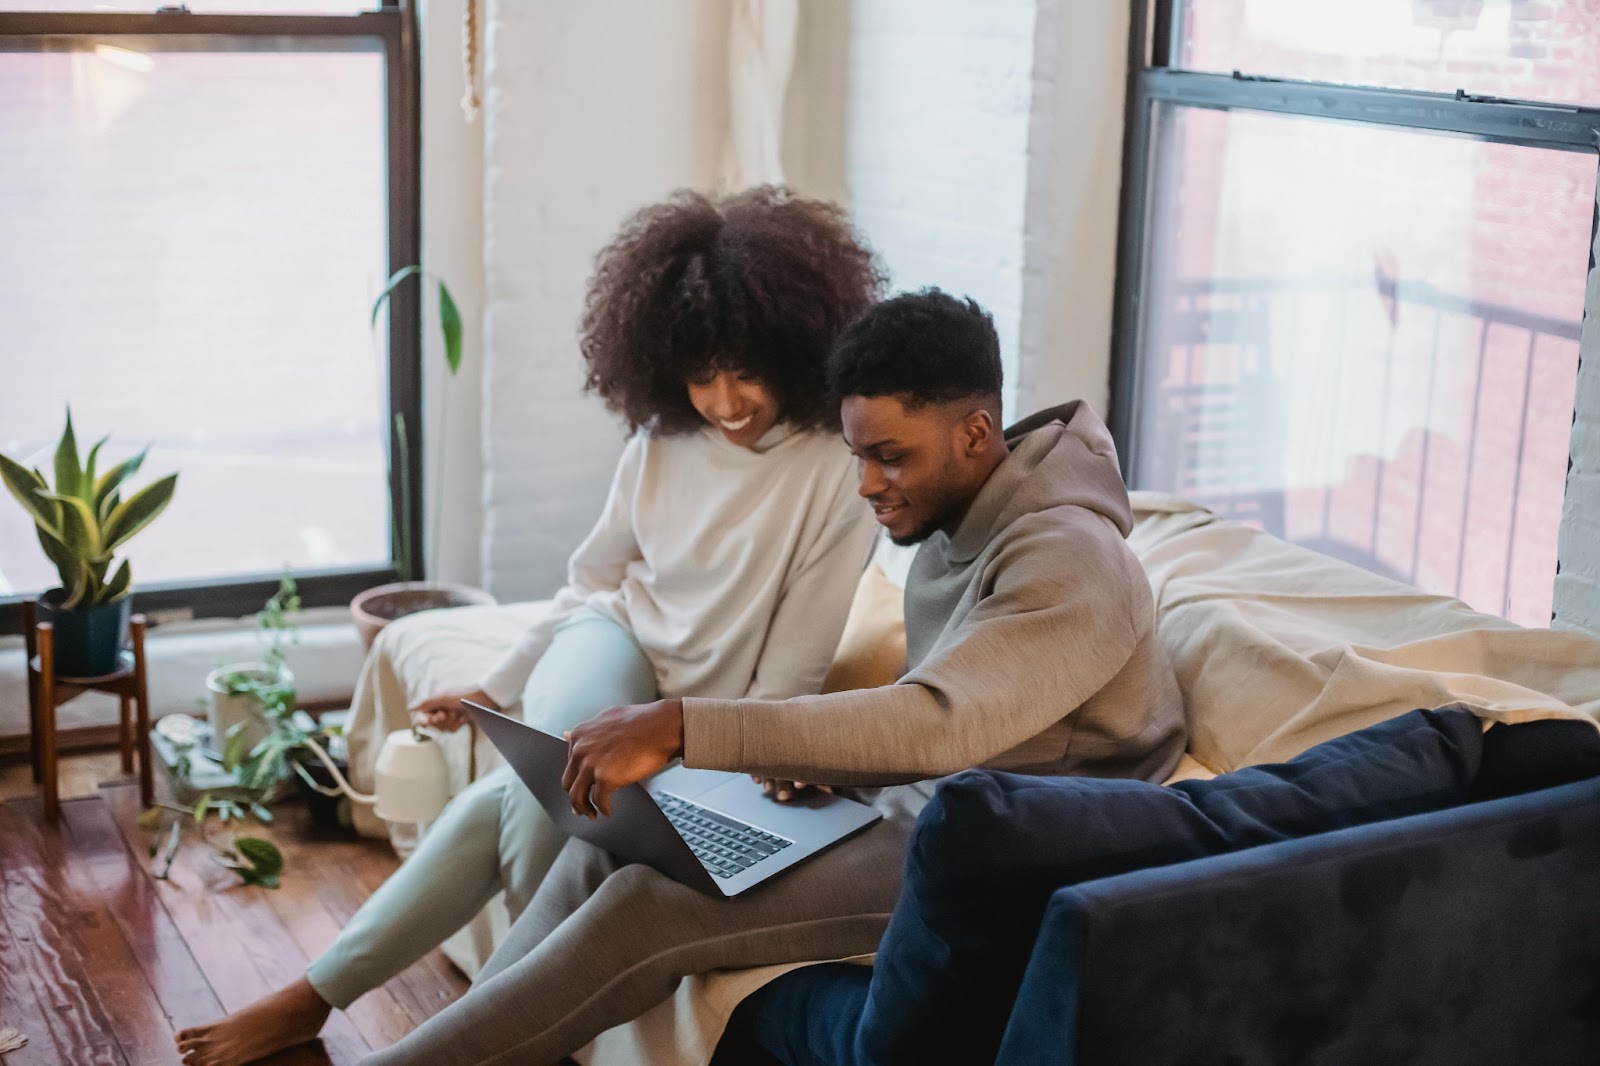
x=228, y=708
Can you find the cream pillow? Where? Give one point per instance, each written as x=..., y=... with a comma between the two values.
x=872, y=651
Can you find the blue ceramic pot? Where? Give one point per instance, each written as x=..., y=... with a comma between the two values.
x=88, y=643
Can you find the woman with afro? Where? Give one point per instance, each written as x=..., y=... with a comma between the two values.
x=722, y=564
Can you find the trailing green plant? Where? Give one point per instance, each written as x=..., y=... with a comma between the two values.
x=262, y=765
x=82, y=518
x=256, y=861
x=450, y=327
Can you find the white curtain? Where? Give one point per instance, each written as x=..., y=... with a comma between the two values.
x=761, y=39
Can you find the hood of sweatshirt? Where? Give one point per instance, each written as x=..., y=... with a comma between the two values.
x=1061, y=457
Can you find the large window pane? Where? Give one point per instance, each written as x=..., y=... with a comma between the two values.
x=191, y=243
x=1521, y=49
x=1365, y=339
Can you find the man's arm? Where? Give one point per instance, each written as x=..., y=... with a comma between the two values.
x=1058, y=625
x=1060, y=622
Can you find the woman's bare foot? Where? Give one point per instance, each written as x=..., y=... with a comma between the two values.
x=283, y=1019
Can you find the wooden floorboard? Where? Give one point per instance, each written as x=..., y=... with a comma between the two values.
x=100, y=963
x=40, y=915
x=237, y=938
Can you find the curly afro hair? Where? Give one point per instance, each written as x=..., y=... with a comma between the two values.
x=761, y=283
x=925, y=347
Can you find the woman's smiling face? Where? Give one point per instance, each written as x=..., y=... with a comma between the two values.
x=739, y=406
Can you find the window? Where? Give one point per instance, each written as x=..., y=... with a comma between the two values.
x=1349, y=313
x=199, y=210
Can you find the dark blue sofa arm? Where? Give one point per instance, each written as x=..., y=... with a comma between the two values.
x=1466, y=936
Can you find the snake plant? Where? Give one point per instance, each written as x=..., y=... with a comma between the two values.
x=82, y=520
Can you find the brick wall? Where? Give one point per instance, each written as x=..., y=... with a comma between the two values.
x=936, y=148
x=586, y=120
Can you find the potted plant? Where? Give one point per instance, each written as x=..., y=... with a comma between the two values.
x=242, y=693
x=81, y=521
x=377, y=607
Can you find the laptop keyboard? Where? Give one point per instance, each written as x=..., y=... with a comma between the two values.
x=724, y=846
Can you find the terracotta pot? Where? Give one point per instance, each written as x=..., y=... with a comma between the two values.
x=377, y=607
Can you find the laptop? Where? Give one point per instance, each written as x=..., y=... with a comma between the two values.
x=709, y=829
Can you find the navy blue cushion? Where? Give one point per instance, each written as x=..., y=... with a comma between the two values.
x=991, y=848
x=1534, y=755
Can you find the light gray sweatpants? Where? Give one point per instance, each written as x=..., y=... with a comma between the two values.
x=601, y=944
x=493, y=835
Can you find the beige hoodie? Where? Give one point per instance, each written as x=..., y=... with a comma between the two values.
x=1030, y=635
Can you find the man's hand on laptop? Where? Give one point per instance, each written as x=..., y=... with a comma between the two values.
x=445, y=711
x=786, y=791
x=620, y=747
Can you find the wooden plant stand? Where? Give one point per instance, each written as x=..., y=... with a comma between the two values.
x=47, y=691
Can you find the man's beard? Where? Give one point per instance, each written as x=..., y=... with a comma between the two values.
x=945, y=518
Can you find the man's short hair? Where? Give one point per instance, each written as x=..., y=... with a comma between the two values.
x=923, y=347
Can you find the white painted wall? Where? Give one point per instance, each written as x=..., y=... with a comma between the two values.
x=1074, y=189
x=592, y=110
x=979, y=148
x=936, y=148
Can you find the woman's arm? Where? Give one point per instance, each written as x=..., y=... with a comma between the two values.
x=815, y=602
x=598, y=565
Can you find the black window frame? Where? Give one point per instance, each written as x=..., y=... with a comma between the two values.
x=395, y=25
x=1154, y=79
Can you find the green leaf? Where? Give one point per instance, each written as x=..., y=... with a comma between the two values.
x=67, y=564
x=77, y=592
x=119, y=584
x=68, y=473
x=173, y=841
x=80, y=529
x=138, y=511
x=114, y=478
x=31, y=491
x=262, y=854
x=150, y=819
x=450, y=326
x=233, y=749
x=86, y=486
x=202, y=805
x=394, y=280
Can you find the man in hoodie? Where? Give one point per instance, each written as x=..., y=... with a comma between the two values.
x=1031, y=647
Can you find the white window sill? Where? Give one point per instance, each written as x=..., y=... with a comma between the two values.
x=326, y=662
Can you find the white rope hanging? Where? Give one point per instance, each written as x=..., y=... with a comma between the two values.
x=470, y=103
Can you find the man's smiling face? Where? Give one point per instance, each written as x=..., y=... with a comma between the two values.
x=913, y=463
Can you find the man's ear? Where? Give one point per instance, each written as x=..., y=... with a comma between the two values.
x=978, y=430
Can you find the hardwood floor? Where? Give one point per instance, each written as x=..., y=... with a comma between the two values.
x=100, y=963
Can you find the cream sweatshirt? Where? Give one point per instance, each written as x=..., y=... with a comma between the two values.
x=1031, y=639
x=733, y=567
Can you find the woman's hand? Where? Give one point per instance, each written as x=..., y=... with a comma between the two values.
x=446, y=713
x=786, y=791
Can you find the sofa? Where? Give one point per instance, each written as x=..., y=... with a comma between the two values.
x=1277, y=648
